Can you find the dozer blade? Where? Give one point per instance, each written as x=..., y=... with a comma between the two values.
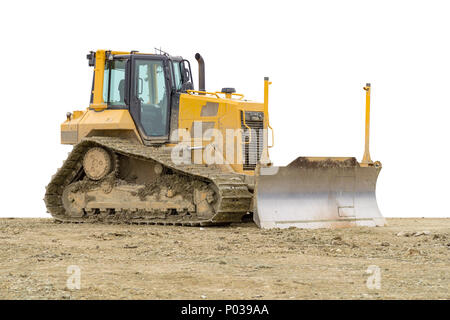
x=317, y=193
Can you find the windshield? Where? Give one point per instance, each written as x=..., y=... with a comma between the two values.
x=114, y=83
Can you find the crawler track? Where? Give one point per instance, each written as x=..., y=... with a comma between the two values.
x=233, y=197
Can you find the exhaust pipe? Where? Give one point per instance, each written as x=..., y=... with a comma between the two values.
x=201, y=72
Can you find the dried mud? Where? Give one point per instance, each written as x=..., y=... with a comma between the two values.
x=234, y=262
x=303, y=162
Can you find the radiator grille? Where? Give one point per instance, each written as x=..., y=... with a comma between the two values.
x=252, y=151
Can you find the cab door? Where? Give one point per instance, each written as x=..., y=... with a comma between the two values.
x=150, y=97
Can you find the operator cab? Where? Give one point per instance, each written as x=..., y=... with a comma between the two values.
x=149, y=86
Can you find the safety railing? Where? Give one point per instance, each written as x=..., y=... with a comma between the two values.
x=216, y=93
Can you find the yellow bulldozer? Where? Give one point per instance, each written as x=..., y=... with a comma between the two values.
x=150, y=149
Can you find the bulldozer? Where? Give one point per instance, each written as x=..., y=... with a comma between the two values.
x=150, y=149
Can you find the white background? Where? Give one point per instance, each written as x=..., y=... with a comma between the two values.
x=318, y=54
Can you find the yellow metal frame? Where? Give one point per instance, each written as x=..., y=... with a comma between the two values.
x=99, y=120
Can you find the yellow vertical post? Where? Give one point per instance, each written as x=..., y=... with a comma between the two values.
x=265, y=154
x=366, y=160
x=98, y=103
x=266, y=100
x=266, y=109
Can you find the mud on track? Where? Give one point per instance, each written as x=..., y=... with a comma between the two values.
x=234, y=262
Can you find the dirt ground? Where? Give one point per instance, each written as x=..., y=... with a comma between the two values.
x=234, y=262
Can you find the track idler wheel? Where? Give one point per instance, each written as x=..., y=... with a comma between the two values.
x=73, y=201
x=97, y=163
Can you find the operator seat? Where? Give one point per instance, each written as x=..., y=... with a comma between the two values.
x=122, y=90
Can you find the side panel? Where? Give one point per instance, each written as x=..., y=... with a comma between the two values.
x=117, y=122
x=203, y=112
x=69, y=128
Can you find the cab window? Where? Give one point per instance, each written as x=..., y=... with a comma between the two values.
x=114, y=83
x=177, y=72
